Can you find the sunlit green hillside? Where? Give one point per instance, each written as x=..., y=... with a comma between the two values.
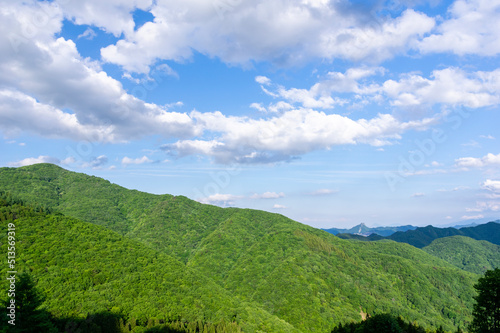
x=249, y=265
x=466, y=253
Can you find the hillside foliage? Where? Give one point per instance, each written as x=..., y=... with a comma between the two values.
x=96, y=247
x=466, y=253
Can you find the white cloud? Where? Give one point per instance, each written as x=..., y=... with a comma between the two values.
x=35, y=160
x=472, y=217
x=98, y=13
x=472, y=162
x=268, y=195
x=472, y=28
x=68, y=160
x=418, y=195
x=472, y=144
x=281, y=32
x=290, y=134
x=492, y=185
x=258, y=107
x=279, y=107
x=54, y=92
x=140, y=160
x=482, y=206
x=19, y=112
x=377, y=42
x=492, y=196
x=452, y=86
x=88, y=34
x=323, y=191
x=263, y=80
x=49, y=75
x=96, y=163
x=320, y=94
x=220, y=199
x=276, y=206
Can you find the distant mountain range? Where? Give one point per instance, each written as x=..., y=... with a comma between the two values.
x=363, y=230
x=423, y=236
x=94, y=246
x=473, y=249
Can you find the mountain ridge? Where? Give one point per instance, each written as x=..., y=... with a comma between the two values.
x=303, y=276
x=363, y=230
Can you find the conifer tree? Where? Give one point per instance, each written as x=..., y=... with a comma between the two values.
x=28, y=317
x=487, y=308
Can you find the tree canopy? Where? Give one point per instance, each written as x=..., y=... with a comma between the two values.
x=487, y=308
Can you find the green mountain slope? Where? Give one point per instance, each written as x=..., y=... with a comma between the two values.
x=421, y=237
x=181, y=222
x=466, y=253
x=83, y=268
x=304, y=276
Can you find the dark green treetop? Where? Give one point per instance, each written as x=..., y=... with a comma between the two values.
x=487, y=308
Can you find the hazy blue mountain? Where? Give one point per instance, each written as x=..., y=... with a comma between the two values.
x=363, y=230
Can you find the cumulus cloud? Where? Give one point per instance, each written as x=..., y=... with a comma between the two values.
x=98, y=13
x=473, y=162
x=268, y=195
x=49, y=89
x=263, y=80
x=492, y=185
x=35, y=160
x=450, y=86
x=281, y=32
x=140, y=160
x=46, y=76
x=490, y=199
x=320, y=94
x=20, y=112
x=220, y=199
x=471, y=28
x=276, y=206
x=283, y=137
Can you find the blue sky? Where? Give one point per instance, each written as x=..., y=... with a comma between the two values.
x=332, y=113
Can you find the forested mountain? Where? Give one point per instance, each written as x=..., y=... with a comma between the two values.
x=262, y=270
x=424, y=236
x=85, y=269
x=362, y=229
x=466, y=253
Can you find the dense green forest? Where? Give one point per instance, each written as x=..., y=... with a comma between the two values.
x=84, y=269
x=421, y=237
x=97, y=247
x=466, y=253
